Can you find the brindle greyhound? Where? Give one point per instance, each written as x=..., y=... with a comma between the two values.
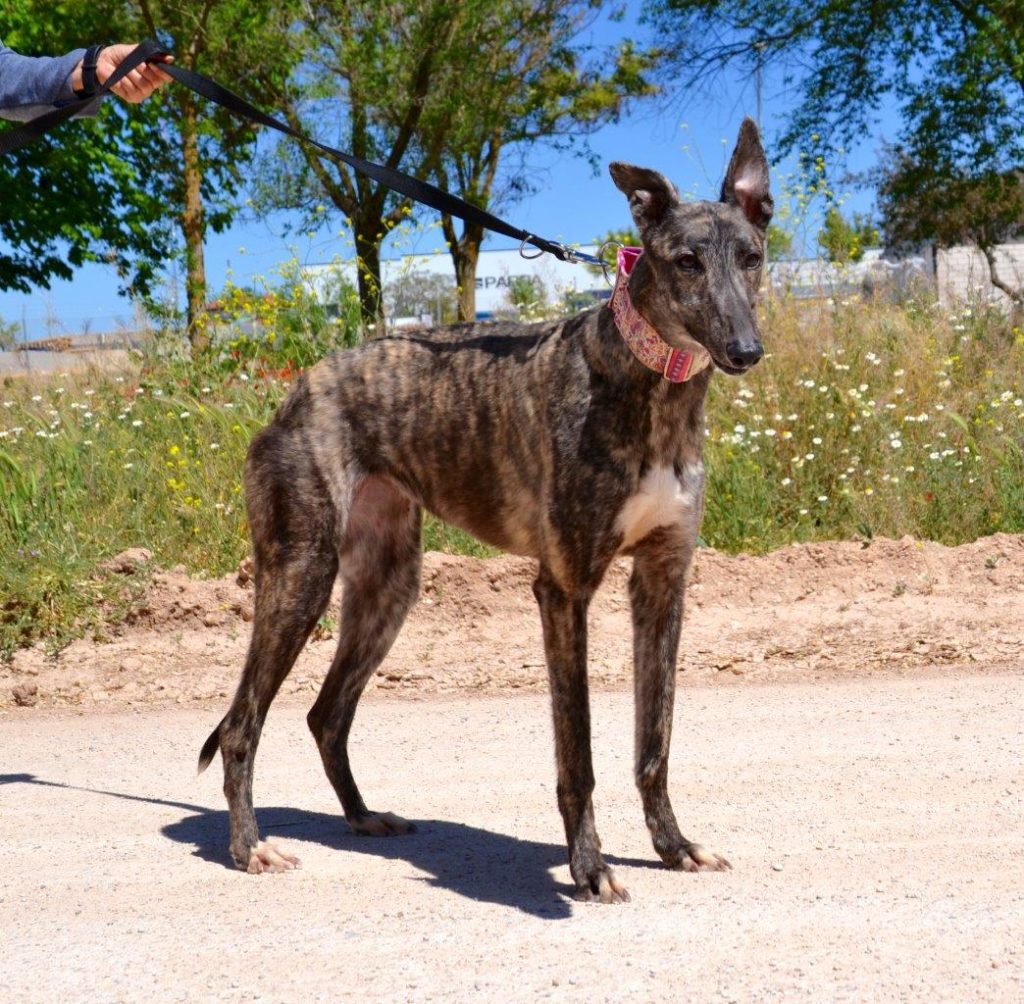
x=558, y=441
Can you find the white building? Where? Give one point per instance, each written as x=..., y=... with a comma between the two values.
x=496, y=270
x=956, y=274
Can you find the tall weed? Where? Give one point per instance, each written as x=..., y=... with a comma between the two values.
x=862, y=420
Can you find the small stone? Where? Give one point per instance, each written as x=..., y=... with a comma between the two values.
x=214, y=618
x=776, y=867
x=25, y=694
x=245, y=572
x=128, y=561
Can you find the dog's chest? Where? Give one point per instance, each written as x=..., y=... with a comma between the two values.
x=661, y=499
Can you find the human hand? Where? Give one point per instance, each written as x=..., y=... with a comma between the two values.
x=137, y=85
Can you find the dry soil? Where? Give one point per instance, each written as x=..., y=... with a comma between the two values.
x=849, y=732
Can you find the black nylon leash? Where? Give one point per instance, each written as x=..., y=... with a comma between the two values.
x=419, y=191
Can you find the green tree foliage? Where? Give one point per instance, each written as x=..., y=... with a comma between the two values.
x=8, y=334
x=137, y=185
x=528, y=297
x=205, y=153
x=780, y=242
x=843, y=241
x=79, y=194
x=371, y=71
x=919, y=205
x=954, y=69
x=532, y=80
x=440, y=90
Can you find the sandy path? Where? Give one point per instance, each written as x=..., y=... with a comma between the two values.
x=874, y=825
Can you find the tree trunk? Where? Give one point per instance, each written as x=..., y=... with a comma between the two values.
x=193, y=226
x=465, y=252
x=1015, y=295
x=371, y=301
x=466, y=257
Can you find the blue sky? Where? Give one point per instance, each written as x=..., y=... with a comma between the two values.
x=688, y=137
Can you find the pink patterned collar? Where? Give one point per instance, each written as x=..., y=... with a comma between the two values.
x=674, y=364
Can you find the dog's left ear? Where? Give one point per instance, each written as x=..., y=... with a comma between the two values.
x=746, y=181
x=650, y=193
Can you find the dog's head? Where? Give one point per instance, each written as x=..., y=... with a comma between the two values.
x=701, y=268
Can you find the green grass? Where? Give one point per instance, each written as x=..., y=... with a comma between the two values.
x=91, y=466
x=440, y=536
x=862, y=420
x=878, y=421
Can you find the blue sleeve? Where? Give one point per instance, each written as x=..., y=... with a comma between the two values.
x=32, y=85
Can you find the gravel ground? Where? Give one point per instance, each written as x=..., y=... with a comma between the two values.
x=874, y=826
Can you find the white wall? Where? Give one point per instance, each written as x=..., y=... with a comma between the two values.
x=962, y=273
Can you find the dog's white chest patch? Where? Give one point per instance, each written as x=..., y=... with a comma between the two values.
x=661, y=500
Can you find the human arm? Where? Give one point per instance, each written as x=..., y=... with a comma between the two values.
x=32, y=85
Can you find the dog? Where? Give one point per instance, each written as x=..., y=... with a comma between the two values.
x=561, y=441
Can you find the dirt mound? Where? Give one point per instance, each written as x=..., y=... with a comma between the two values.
x=799, y=612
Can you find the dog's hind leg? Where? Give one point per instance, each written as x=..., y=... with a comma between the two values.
x=380, y=570
x=294, y=546
x=656, y=591
x=564, y=620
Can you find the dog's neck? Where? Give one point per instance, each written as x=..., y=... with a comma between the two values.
x=677, y=365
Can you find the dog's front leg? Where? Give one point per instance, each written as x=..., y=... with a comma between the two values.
x=564, y=619
x=656, y=592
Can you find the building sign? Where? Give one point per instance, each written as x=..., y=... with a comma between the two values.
x=499, y=281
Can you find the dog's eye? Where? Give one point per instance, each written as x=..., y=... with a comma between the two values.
x=689, y=262
x=752, y=261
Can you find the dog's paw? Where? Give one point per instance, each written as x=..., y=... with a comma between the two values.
x=265, y=857
x=602, y=887
x=380, y=824
x=694, y=858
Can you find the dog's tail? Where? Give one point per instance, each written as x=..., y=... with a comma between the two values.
x=210, y=748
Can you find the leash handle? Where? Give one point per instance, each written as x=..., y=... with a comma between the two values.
x=419, y=191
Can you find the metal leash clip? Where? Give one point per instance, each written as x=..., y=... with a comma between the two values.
x=571, y=256
x=576, y=257
x=522, y=249
x=604, y=263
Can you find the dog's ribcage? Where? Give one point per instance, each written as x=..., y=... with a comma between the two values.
x=508, y=434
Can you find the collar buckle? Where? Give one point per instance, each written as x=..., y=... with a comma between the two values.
x=677, y=366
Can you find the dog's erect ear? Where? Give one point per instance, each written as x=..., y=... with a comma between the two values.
x=649, y=192
x=746, y=181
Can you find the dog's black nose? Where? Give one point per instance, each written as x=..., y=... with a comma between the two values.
x=743, y=353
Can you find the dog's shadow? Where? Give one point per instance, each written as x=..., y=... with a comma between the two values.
x=476, y=863
x=473, y=862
